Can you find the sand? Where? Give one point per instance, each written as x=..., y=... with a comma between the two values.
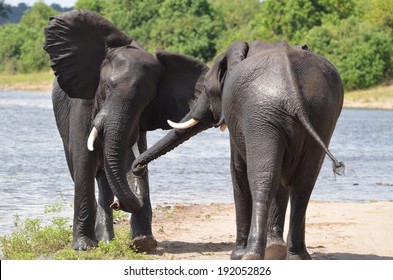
x=334, y=231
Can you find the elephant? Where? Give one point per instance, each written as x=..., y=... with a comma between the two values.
x=280, y=104
x=107, y=93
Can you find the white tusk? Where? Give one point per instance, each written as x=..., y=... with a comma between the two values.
x=92, y=137
x=184, y=125
x=223, y=127
x=135, y=150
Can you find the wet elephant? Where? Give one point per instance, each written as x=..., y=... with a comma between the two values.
x=280, y=104
x=107, y=94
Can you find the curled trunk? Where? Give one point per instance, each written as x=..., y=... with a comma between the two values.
x=173, y=139
x=115, y=169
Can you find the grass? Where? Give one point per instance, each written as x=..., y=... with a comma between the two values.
x=380, y=97
x=41, y=81
x=32, y=241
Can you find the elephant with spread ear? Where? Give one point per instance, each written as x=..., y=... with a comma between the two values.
x=108, y=92
x=280, y=104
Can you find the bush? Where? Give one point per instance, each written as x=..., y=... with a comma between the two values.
x=10, y=50
x=188, y=27
x=361, y=52
x=31, y=240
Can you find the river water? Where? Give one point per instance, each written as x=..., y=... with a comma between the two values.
x=34, y=175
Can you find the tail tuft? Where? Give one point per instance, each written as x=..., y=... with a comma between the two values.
x=339, y=168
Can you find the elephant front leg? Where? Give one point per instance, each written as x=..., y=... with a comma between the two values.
x=84, y=208
x=104, y=221
x=141, y=222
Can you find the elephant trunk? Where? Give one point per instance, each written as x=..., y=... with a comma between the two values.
x=173, y=139
x=118, y=131
x=115, y=169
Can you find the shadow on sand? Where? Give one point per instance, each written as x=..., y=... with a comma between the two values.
x=225, y=248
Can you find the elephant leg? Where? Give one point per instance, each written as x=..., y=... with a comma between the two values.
x=141, y=222
x=243, y=203
x=300, y=192
x=85, y=205
x=276, y=248
x=264, y=163
x=104, y=221
x=82, y=165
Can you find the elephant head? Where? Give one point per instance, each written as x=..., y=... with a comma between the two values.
x=127, y=89
x=205, y=112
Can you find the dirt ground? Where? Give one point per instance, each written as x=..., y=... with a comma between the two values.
x=334, y=231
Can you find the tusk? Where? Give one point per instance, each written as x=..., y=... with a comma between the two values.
x=115, y=204
x=92, y=137
x=135, y=150
x=184, y=125
x=223, y=127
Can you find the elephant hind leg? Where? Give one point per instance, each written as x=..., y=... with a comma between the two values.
x=243, y=203
x=300, y=191
x=276, y=248
x=264, y=164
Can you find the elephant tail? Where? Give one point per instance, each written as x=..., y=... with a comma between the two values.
x=338, y=166
x=301, y=113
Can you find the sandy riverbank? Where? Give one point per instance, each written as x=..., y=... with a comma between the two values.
x=336, y=231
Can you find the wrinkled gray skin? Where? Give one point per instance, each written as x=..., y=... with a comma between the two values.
x=281, y=105
x=106, y=80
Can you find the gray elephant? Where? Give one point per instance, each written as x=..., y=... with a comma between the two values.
x=280, y=104
x=107, y=94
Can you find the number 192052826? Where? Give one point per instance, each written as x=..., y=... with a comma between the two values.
x=228, y=270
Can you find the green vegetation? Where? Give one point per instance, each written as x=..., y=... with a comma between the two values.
x=31, y=240
x=356, y=36
x=3, y=9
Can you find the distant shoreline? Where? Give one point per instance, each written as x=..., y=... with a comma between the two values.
x=378, y=98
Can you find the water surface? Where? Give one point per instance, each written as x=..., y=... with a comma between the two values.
x=34, y=174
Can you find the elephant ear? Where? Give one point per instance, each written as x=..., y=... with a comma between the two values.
x=224, y=64
x=77, y=42
x=176, y=90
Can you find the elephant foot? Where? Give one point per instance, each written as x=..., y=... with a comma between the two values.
x=104, y=231
x=276, y=251
x=83, y=243
x=252, y=256
x=238, y=253
x=302, y=255
x=105, y=236
x=145, y=243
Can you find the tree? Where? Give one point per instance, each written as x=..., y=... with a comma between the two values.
x=135, y=17
x=4, y=9
x=236, y=16
x=28, y=51
x=98, y=6
x=379, y=13
x=10, y=50
x=291, y=19
x=362, y=53
x=190, y=27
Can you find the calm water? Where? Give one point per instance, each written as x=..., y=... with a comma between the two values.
x=33, y=171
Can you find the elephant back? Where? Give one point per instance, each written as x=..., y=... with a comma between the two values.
x=77, y=42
